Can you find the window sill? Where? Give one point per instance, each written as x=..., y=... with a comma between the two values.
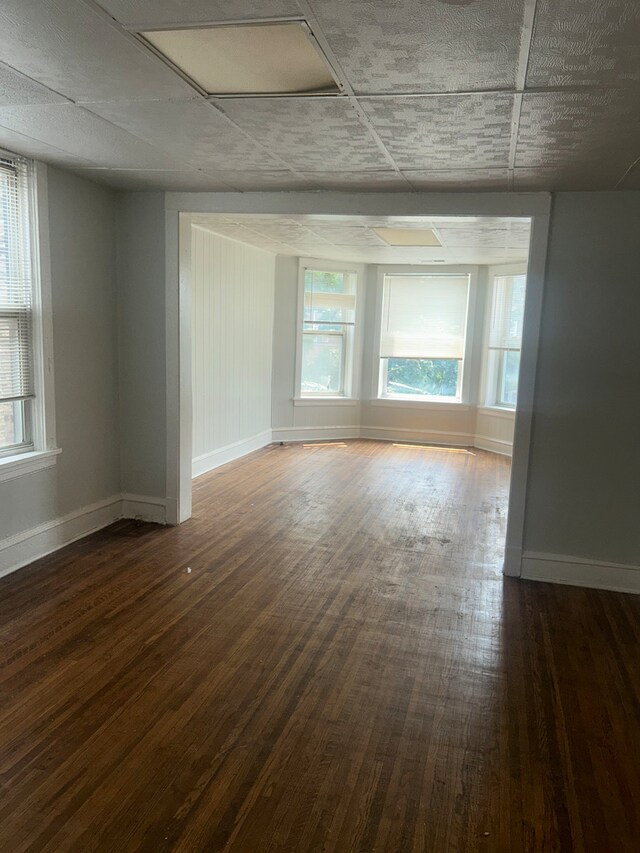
x=412, y=403
x=497, y=412
x=325, y=401
x=12, y=467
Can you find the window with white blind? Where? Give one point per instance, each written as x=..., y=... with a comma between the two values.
x=423, y=333
x=328, y=329
x=505, y=339
x=23, y=423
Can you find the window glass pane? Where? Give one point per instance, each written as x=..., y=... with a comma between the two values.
x=322, y=358
x=328, y=297
x=11, y=424
x=509, y=378
x=422, y=376
x=516, y=306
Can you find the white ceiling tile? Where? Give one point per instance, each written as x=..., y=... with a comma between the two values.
x=586, y=176
x=84, y=135
x=461, y=180
x=579, y=127
x=17, y=89
x=18, y=143
x=161, y=12
x=144, y=179
x=444, y=132
x=192, y=130
x=586, y=42
x=263, y=181
x=365, y=181
x=79, y=52
x=418, y=46
x=310, y=134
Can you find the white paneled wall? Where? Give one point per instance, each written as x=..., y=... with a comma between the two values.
x=232, y=341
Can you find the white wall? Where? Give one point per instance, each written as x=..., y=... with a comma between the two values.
x=84, y=306
x=142, y=343
x=232, y=299
x=584, y=496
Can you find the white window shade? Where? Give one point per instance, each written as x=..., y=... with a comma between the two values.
x=16, y=350
x=507, y=312
x=424, y=316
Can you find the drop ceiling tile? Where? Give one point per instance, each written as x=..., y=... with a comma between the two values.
x=448, y=132
x=18, y=143
x=162, y=12
x=262, y=181
x=461, y=179
x=143, y=179
x=81, y=53
x=359, y=181
x=346, y=235
x=81, y=134
x=310, y=134
x=192, y=130
x=17, y=89
x=567, y=177
x=418, y=46
x=585, y=42
x=557, y=129
x=491, y=233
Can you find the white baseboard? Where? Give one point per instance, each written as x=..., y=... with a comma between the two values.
x=29, y=545
x=36, y=542
x=315, y=433
x=425, y=436
x=209, y=461
x=493, y=445
x=144, y=508
x=579, y=571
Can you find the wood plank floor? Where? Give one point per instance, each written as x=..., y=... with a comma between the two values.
x=343, y=669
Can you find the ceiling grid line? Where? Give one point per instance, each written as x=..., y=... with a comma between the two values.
x=526, y=40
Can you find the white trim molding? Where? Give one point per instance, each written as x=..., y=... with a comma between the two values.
x=36, y=542
x=143, y=508
x=12, y=467
x=29, y=545
x=315, y=433
x=493, y=445
x=425, y=436
x=209, y=461
x=580, y=571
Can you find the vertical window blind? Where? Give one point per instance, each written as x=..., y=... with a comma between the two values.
x=424, y=316
x=16, y=349
x=507, y=312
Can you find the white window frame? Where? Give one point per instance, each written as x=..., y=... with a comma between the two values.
x=351, y=342
x=463, y=396
x=492, y=367
x=41, y=451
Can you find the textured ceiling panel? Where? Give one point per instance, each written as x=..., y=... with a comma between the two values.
x=21, y=144
x=595, y=176
x=472, y=240
x=309, y=134
x=81, y=134
x=418, y=46
x=571, y=128
x=262, y=181
x=359, y=181
x=17, y=89
x=191, y=130
x=444, y=132
x=71, y=49
x=142, y=179
x=462, y=179
x=160, y=12
x=586, y=42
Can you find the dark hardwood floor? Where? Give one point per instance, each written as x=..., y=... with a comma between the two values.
x=343, y=669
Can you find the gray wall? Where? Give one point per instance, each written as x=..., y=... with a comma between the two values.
x=82, y=231
x=583, y=497
x=142, y=343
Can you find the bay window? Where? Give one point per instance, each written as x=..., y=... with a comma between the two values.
x=422, y=340
x=328, y=323
x=505, y=339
